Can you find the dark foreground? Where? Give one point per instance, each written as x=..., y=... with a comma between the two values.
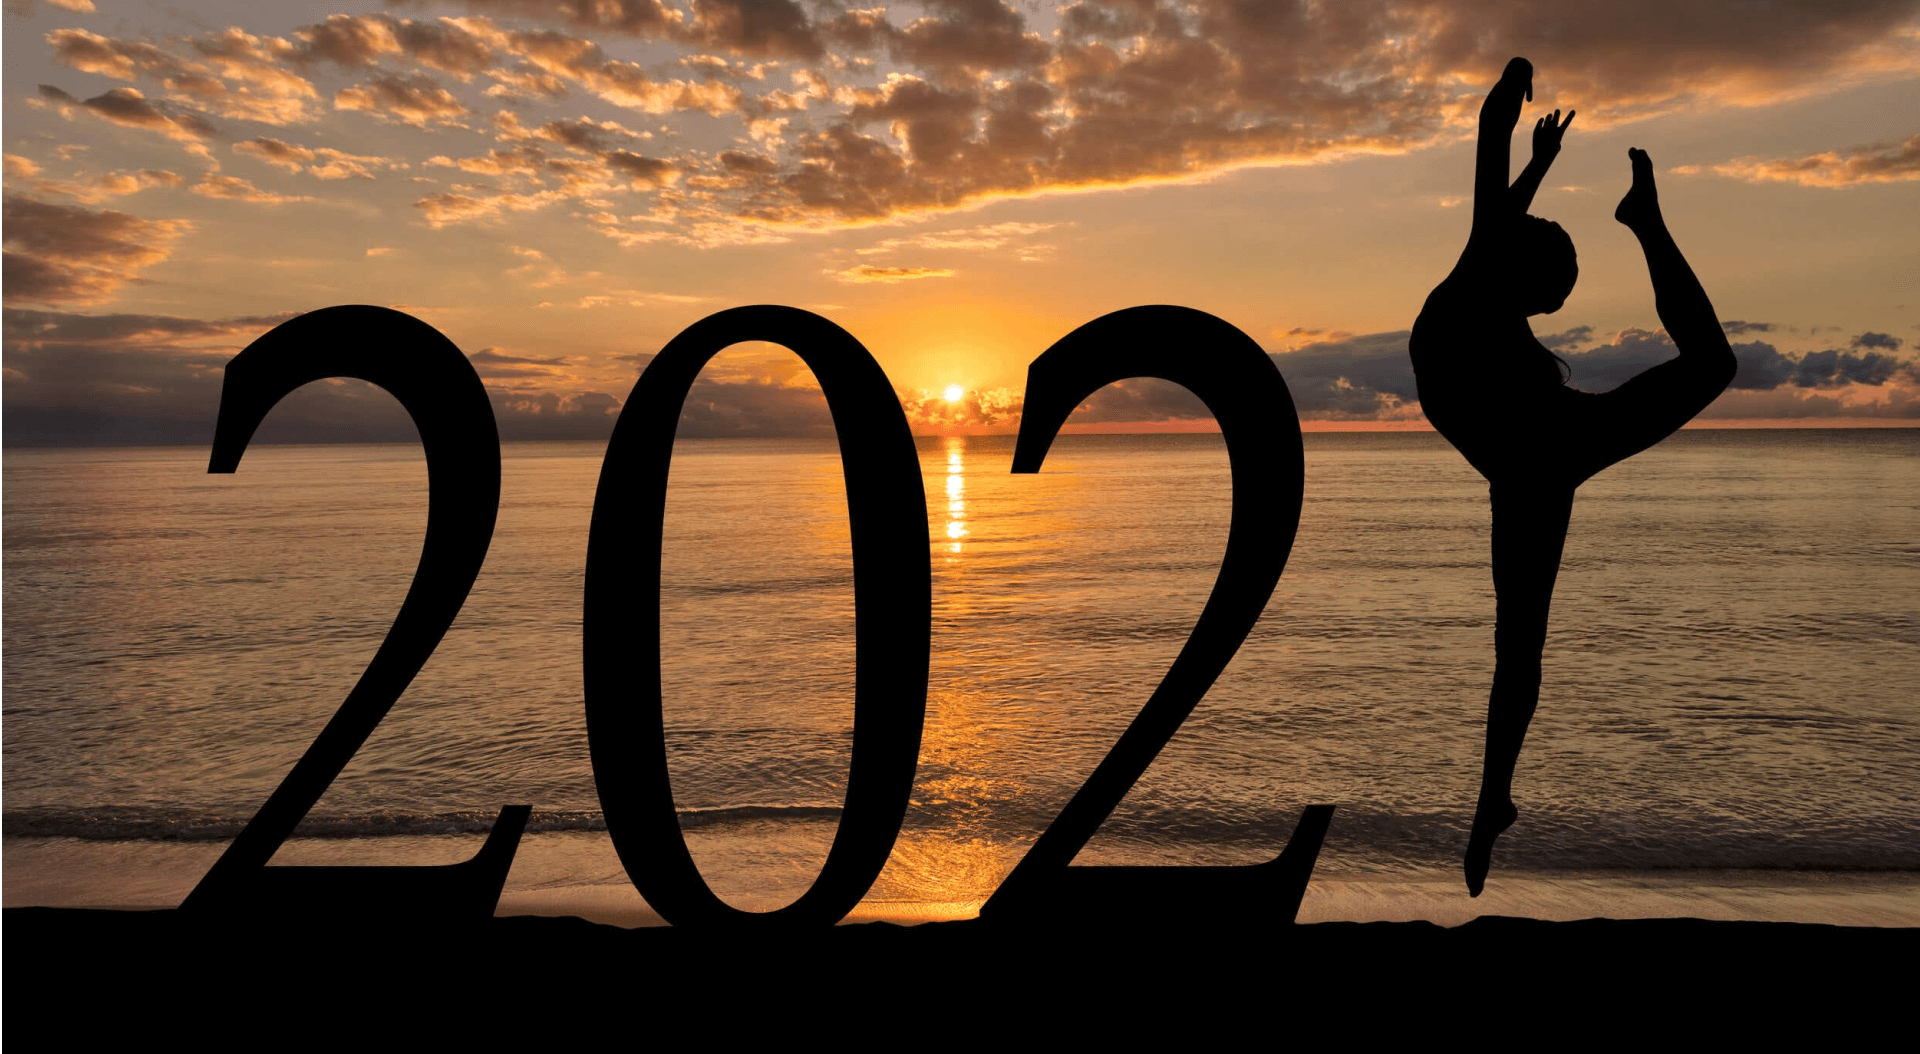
x=1505, y=980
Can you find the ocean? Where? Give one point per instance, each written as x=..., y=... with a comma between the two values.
x=1729, y=727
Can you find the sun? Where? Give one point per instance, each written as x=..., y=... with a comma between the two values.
x=954, y=392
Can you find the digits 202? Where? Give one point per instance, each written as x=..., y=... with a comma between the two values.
x=892, y=572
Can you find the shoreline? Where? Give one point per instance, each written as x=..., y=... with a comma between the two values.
x=578, y=875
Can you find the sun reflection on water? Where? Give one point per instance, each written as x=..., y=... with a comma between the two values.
x=956, y=495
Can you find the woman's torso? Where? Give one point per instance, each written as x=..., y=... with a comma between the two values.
x=1487, y=385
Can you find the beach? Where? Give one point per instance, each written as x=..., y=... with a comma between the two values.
x=1727, y=731
x=578, y=875
x=1226, y=978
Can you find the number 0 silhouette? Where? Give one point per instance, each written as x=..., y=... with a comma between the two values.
x=893, y=606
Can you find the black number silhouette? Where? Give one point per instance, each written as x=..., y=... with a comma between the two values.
x=1243, y=389
x=893, y=603
x=438, y=387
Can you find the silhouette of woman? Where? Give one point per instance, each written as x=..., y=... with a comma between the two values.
x=1498, y=396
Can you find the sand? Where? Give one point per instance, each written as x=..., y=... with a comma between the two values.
x=970, y=982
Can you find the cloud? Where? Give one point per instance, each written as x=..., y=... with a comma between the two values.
x=525, y=83
x=148, y=379
x=232, y=74
x=87, y=188
x=584, y=135
x=974, y=239
x=769, y=28
x=233, y=188
x=607, y=167
x=641, y=171
x=1761, y=366
x=966, y=36
x=416, y=101
x=648, y=19
x=975, y=409
x=1140, y=400
x=980, y=107
x=746, y=409
x=1874, y=163
x=1370, y=378
x=129, y=379
x=357, y=41
x=889, y=275
x=556, y=179
x=322, y=163
x=1567, y=339
x=468, y=205
x=241, y=76
x=1352, y=378
x=28, y=329
x=120, y=59
x=68, y=254
x=1878, y=340
x=493, y=364
x=773, y=28
x=978, y=101
x=126, y=106
x=581, y=61
x=1738, y=327
x=116, y=379
x=276, y=153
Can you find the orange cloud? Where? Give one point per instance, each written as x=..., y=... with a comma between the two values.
x=416, y=101
x=127, y=106
x=958, y=102
x=69, y=254
x=233, y=188
x=1874, y=163
x=870, y=273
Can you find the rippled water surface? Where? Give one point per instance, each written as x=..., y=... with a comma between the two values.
x=1731, y=679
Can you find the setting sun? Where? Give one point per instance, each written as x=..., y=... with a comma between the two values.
x=954, y=392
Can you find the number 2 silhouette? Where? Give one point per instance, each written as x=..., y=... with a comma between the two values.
x=439, y=388
x=1243, y=389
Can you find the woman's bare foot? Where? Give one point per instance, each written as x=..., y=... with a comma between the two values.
x=1640, y=209
x=1491, y=818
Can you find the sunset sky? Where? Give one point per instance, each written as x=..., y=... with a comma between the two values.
x=562, y=185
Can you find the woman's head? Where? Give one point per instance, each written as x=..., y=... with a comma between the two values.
x=1544, y=266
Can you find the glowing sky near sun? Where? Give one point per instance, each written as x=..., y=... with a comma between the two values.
x=561, y=186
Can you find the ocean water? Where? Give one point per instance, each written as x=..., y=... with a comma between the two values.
x=1732, y=675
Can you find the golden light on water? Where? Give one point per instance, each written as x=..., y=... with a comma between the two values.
x=956, y=487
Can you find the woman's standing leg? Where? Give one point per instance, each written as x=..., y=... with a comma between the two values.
x=1529, y=533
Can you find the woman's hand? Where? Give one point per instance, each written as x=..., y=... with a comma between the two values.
x=1502, y=107
x=1518, y=75
x=1547, y=132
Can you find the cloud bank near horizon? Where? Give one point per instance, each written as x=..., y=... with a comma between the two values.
x=74, y=379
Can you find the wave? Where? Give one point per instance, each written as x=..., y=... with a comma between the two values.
x=182, y=825
x=1362, y=840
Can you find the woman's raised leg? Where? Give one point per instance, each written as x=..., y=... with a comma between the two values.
x=1654, y=404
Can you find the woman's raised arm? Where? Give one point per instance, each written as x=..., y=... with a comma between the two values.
x=1492, y=215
